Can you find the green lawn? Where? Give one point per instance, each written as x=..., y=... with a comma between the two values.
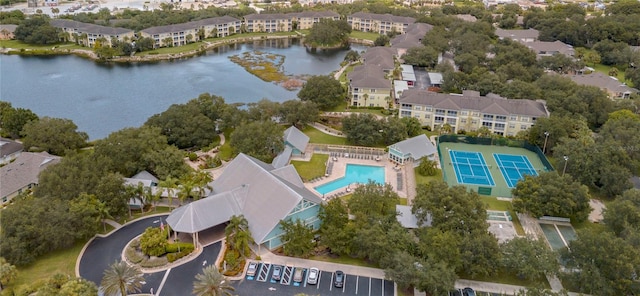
x=605, y=69
x=420, y=179
x=343, y=260
x=21, y=45
x=509, y=278
x=61, y=261
x=226, y=152
x=172, y=50
x=311, y=169
x=364, y=35
x=317, y=136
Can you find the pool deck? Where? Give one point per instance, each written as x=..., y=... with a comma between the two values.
x=340, y=168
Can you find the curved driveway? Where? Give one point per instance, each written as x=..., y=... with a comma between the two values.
x=103, y=251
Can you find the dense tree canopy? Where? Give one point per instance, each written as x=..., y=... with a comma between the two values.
x=550, y=194
x=13, y=120
x=328, y=33
x=529, y=258
x=36, y=30
x=54, y=135
x=325, y=91
x=297, y=238
x=260, y=139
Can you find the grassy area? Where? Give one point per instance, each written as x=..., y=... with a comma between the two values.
x=317, y=136
x=21, y=45
x=311, y=169
x=420, y=179
x=509, y=278
x=605, y=69
x=343, y=76
x=226, y=152
x=173, y=49
x=61, y=261
x=364, y=35
x=343, y=260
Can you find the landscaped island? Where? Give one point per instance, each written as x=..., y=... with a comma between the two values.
x=266, y=66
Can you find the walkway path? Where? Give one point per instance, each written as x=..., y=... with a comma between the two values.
x=342, y=69
x=327, y=130
x=115, y=224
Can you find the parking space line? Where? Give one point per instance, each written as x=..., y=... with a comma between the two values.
x=344, y=284
x=319, y=278
x=264, y=272
x=369, y=286
x=331, y=282
x=382, y=287
x=286, y=275
x=357, y=281
x=164, y=279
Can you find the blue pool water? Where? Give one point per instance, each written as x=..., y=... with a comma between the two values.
x=355, y=174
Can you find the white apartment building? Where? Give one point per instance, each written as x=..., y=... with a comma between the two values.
x=469, y=111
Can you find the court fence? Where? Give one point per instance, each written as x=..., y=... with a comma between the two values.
x=497, y=142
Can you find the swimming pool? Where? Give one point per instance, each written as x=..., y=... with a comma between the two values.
x=356, y=173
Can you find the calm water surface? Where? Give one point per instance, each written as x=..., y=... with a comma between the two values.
x=102, y=99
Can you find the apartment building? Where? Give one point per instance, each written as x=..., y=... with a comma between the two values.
x=368, y=87
x=88, y=34
x=612, y=86
x=306, y=19
x=380, y=56
x=181, y=34
x=379, y=23
x=412, y=37
x=528, y=35
x=544, y=48
x=268, y=23
x=469, y=111
x=22, y=174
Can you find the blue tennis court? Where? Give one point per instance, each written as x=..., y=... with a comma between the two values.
x=514, y=167
x=470, y=168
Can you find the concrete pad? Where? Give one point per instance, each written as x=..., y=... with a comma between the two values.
x=503, y=230
x=597, y=207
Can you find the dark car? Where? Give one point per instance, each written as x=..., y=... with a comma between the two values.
x=468, y=292
x=277, y=273
x=455, y=293
x=339, y=280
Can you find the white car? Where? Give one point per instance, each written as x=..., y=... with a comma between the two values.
x=314, y=273
x=252, y=269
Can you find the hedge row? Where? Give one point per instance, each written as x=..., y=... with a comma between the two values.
x=175, y=247
x=175, y=256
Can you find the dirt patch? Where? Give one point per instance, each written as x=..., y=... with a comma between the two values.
x=597, y=207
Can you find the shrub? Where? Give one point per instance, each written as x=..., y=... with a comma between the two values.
x=154, y=262
x=173, y=248
x=231, y=257
x=133, y=255
x=192, y=156
x=153, y=242
x=175, y=256
x=135, y=243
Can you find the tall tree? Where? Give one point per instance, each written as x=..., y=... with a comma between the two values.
x=622, y=216
x=335, y=230
x=260, y=139
x=238, y=235
x=13, y=120
x=298, y=113
x=120, y=278
x=529, y=258
x=362, y=129
x=212, y=283
x=54, y=135
x=297, y=238
x=325, y=91
x=551, y=194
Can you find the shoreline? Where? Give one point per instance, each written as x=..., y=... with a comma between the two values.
x=151, y=58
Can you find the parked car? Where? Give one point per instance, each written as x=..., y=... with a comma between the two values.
x=277, y=273
x=468, y=292
x=297, y=275
x=314, y=273
x=339, y=279
x=252, y=269
x=455, y=293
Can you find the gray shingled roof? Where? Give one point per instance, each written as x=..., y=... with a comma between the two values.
x=315, y=14
x=296, y=138
x=282, y=159
x=88, y=28
x=263, y=194
x=268, y=16
x=548, y=47
x=518, y=34
x=412, y=37
x=603, y=82
x=418, y=146
x=384, y=17
x=381, y=56
x=8, y=147
x=8, y=28
x=471, y=100
x=368, y=76
x=24, y=171
x=144, y=177
x=190, y=25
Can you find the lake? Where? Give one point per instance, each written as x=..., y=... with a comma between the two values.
x=102, y=99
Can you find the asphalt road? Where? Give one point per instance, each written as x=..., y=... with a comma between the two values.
x=180, y=278
x=103, y=252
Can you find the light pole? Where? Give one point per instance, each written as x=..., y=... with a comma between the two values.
x=566, y=160
x=544, y=147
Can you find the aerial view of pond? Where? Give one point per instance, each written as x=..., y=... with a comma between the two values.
x=102, y=99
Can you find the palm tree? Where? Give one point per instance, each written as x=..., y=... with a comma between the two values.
x=103, y=211
x=186, y=188
x=238, y=235
x=170, y=184
x=121, y=278
x=137, y=192
x=201, y=180
x=211, y=283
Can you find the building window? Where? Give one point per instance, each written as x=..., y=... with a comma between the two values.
x=440, y=111
x=463, y=120
x=428, y=109
x=487, y=124
x=452, y=113
x=501, y=118
x=525, y=119
x=487, y=117
x=476, y=113
x=405, y=113
x=523, y=127
x=427, y=116
x=513, y=117
x=418, y=108
x=451, y=121
x=439, y=119
x=474, y=122
x=500, y=126
x=512, y=125
x=464, y=113
x=372, y=90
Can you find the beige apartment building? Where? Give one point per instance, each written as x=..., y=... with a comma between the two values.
x=469, y=111
x=87, y=34
x=268, y=23
x=181, y=34
x=306, y=19
x=379, y=23
x=368, y=87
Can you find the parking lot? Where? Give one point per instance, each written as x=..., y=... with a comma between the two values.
x=263, y=284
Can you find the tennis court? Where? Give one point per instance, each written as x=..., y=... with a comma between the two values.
x=558, y=235
x=514, y=167
x=470, y=168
